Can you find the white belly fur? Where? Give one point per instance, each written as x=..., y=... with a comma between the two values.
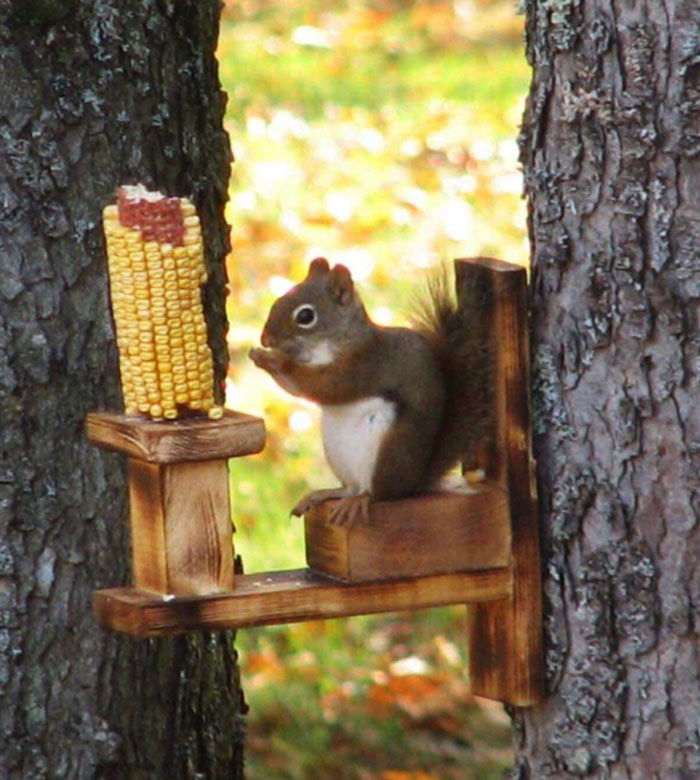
x=352, y=436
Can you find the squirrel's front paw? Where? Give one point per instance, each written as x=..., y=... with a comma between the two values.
x=269, y=360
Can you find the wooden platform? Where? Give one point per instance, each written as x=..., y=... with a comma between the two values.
x=288, y=597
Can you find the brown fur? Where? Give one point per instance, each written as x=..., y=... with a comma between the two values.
x=437, y=375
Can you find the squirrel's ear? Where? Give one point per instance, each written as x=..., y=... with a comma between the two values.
x=318, y=266
x=340, y=284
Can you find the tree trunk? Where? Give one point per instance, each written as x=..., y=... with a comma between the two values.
x=611, y=150
x=94, y=94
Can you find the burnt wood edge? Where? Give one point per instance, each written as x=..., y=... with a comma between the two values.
x=270, y=598
x=188, y=440
x=506, y=638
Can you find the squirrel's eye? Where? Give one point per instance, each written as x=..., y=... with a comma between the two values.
x=305, y=316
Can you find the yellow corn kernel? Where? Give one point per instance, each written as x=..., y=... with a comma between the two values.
x=165, y=361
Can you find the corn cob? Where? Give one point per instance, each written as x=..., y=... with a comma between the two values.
x=156, y=270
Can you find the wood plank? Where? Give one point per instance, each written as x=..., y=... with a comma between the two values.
x=181, y=531
x=198, y=528
x=188, y=439
x=423, y=535
x=147, y=520
x=506, y=638
x=287, y=597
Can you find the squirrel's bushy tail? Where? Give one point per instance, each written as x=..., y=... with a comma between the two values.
x=462, y=334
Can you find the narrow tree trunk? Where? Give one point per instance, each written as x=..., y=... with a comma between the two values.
x=611, y=149
x=94, y=94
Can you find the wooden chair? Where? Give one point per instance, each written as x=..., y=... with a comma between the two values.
x=479, y=548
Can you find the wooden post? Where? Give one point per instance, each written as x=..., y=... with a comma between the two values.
x=181, y=530
x=505, y=637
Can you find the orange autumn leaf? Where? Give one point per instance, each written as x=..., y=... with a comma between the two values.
x=264, y=667
x=418, y=696
x=440, y=18
x=334, y=704
x=367, y=20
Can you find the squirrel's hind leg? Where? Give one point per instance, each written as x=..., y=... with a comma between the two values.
x=350, y=510
x=403, y=461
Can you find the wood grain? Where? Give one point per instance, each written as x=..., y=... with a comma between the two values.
x=147, y=521
x=287, y=597
x=181, y=531
x=506, y=637
x=188, y=439
x=481, y=548
x=429, y=534
x=198, y=528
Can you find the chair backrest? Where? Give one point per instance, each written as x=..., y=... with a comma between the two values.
x=506, y=636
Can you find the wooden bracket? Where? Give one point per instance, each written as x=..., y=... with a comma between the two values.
x=478, y=548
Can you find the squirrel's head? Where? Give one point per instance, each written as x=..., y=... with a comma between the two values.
x=317, y=317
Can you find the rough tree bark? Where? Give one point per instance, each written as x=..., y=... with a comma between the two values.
x=94, y=94
x=611, y=150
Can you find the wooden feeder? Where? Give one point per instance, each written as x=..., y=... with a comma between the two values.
x=480, y=548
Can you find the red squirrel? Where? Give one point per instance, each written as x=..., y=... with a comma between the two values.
x=400, y=407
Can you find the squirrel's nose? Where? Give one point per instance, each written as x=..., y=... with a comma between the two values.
x=265, y=339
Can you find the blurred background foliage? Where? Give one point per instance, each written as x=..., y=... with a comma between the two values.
x=380, y=134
